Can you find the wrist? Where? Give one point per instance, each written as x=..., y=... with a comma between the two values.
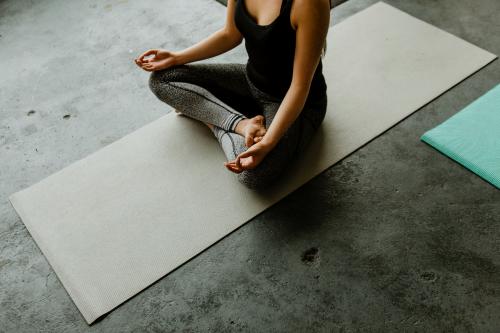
x=268, y=143
x=178, y=58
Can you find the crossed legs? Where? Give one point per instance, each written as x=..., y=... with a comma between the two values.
x=220, y=95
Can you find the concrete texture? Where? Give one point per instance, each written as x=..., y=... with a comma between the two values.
x=396, y=237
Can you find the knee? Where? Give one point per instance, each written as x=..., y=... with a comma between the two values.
x=254, y=179
x=158, y=80
x=270, y=170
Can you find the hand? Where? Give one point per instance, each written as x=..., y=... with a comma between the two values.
x=250, y=158
x=160, y=59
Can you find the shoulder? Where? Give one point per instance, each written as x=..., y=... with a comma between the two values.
x=308, y=11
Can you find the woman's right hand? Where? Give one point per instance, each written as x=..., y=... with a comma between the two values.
x=160, y=59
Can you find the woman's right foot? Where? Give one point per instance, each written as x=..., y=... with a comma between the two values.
x=253, y=129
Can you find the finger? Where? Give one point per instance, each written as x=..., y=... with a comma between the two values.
x=234, y=165
x=241, y=156
x=237, y=164
x=145, y=54
x=233, y=168
x=244, y=154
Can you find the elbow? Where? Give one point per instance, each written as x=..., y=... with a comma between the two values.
x=237, y=41
x=232, y=35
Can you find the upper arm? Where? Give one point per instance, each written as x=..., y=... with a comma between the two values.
x=230, y=27
x=312, y=20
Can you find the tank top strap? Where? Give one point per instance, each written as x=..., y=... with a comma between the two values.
x=286, y=5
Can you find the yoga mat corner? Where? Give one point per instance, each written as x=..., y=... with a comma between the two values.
x=471, y=137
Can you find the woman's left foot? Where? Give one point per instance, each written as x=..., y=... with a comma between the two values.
x=252, y=129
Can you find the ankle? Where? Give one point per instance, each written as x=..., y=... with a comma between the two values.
x=240, y=126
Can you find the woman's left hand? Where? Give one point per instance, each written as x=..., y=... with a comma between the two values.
x=250, y=158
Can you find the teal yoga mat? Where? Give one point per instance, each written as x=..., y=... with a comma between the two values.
x=472, y=137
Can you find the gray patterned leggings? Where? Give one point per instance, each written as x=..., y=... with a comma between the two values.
x=221, y=94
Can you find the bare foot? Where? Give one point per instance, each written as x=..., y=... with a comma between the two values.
x=252, y=129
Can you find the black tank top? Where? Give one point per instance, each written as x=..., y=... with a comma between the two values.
x=271, y=51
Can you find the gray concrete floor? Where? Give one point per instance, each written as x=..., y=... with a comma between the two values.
x=405, y=238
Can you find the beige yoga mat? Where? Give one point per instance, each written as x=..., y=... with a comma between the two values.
x=123, y=217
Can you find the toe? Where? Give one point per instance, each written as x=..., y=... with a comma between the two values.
x=249, y=139
x=248, y=142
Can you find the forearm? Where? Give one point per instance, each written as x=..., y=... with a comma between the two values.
x=287, y=113
x=215, y=44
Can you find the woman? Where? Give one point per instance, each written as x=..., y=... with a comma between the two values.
x=263, y=113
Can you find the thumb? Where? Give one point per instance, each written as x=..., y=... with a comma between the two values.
x=244, y=154
x=147, y=53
